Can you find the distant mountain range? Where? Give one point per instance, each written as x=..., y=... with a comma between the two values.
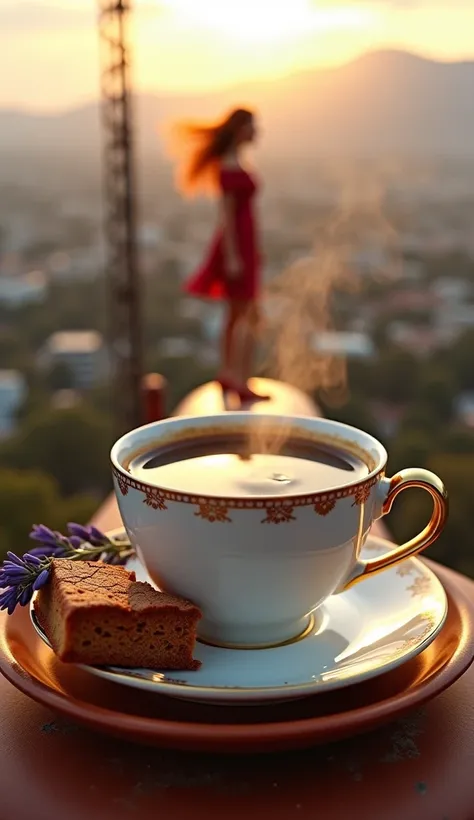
x=385, y=101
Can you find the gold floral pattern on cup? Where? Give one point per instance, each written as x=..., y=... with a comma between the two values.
x=213, y=513
x=277, y=511
x=155, y=499
x=324, y=506
x=279, y=514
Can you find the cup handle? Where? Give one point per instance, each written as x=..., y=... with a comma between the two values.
x=388, y=490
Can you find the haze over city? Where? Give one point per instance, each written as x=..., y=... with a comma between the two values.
x=49, y=50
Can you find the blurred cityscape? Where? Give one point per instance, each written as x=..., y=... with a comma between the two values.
x=400, y=313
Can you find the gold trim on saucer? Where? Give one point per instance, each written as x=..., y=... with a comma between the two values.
x=308, y=628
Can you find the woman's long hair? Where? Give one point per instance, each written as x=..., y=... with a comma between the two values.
x=198, y=149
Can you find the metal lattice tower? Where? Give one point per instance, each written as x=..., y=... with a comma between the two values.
x=123, y=279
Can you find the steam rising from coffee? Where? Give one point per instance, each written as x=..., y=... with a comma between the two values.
x=299, y=303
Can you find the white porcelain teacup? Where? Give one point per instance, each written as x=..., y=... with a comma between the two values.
x=259, y=553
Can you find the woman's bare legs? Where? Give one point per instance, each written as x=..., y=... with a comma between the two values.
x=239, y=344
x=250, y=326
x=228, y=357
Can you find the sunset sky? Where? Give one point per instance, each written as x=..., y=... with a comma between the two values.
x=49, y=54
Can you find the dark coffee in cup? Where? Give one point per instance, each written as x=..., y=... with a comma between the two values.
x=224, y=465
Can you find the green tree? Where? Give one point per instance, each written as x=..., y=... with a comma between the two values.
x=31, y=497
x=396, y=374
x=379, y=334
x=410, y=449
x=14, y=353
x=37, y=402
x=458, y=440
x=420, y=417
x=461, y=359
x=72, y=445
x=361, y=377
x=60, y=377
x=412, y=511
x=355, y=412
x=443, y=265
x=78, y=508
x=436, y=390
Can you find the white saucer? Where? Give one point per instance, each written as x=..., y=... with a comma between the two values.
x=367, y=630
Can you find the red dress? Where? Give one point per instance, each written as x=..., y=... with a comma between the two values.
x=210, y=280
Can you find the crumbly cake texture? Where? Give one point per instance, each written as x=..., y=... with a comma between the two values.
x=99, y=614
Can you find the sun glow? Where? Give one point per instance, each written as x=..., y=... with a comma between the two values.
x=266, y=21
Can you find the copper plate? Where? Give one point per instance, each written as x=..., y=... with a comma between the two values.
x=148, y=718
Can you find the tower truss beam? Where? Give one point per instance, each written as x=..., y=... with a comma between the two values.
x=122, y=265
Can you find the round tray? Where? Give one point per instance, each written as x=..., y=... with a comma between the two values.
x=148, y=718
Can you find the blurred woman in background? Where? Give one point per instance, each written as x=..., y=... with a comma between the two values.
x=210, y=161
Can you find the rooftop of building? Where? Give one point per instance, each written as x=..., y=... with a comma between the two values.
x=75, y=341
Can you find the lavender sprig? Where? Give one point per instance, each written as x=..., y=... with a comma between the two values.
x=21, y=576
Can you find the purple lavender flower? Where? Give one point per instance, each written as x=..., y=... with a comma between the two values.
x=97, y=537
x=77, y=543
x=14, y=558
x=89, y=534
x=52, y=543
x=5, y=595
x=31, y=560
x=44, y=535
x=20, y=577
x=41, y=579
x=14, y=575
x=25, y=595
x=78, y=531
x=8, y=599
x=13, y=571
x=47, y=552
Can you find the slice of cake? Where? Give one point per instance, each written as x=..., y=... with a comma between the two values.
x=98, y=614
